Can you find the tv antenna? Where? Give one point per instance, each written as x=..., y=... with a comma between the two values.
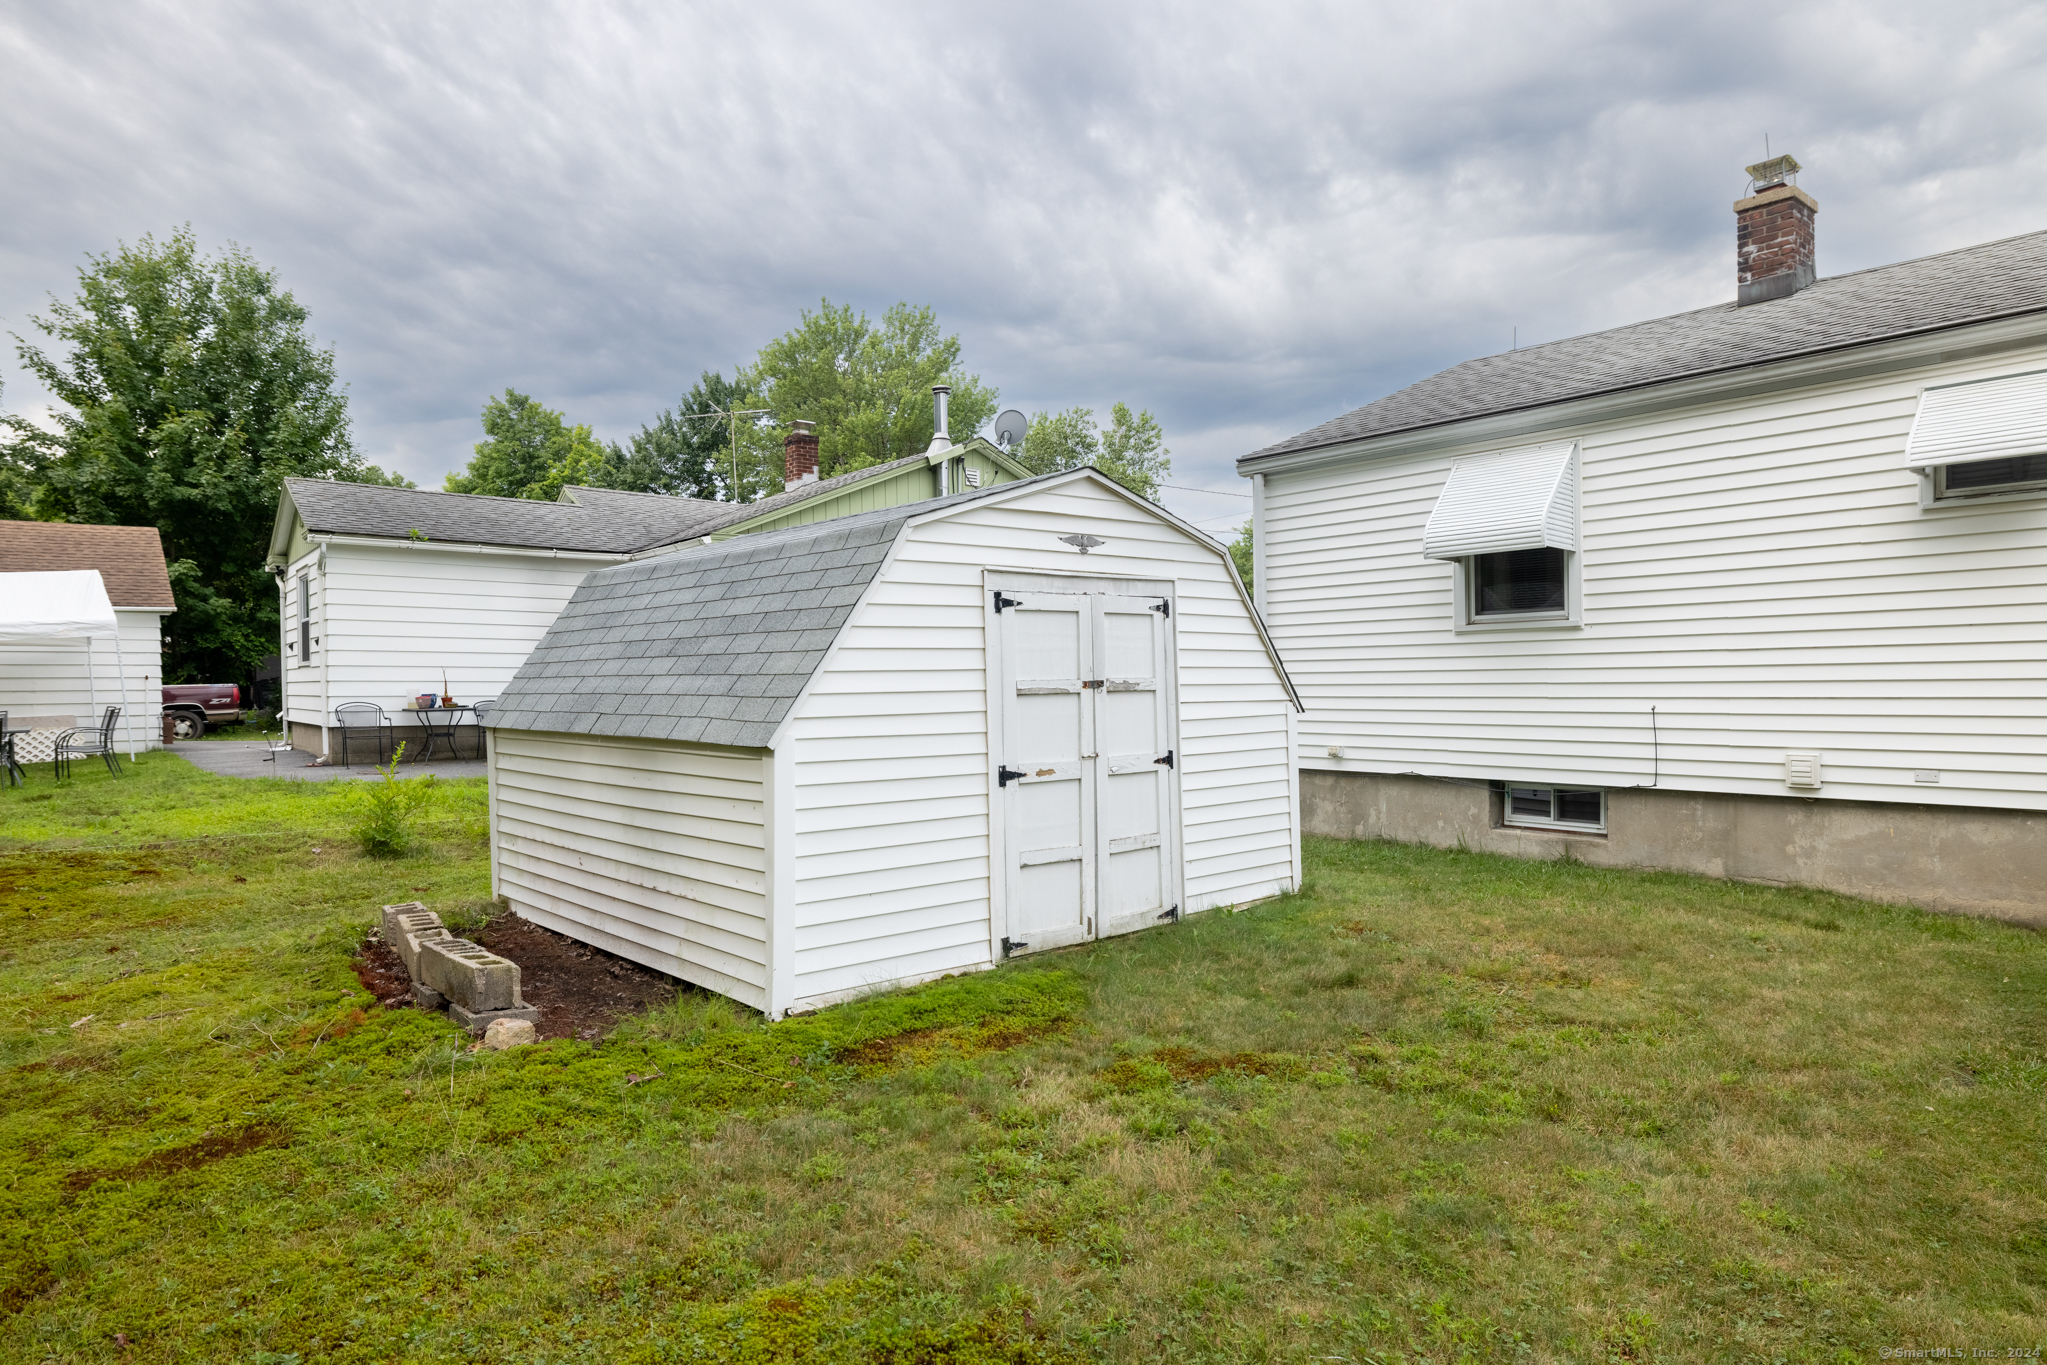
x=732, y=416
x=1010, y=429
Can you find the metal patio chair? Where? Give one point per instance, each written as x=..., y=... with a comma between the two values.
x=477, y=712
x=353, y=716
x=12, y=767
x=97, y=744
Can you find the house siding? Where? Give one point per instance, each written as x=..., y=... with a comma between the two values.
x=652, y=850
x=50, y=680
x=892, y=862
x=1760, y=571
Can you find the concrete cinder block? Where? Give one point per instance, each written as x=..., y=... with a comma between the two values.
x=469, y=974
x=406, y=927
x=480, y=1021
x=427, y=998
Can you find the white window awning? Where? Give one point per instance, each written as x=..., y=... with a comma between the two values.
x=1523, y=499
x=1985, y=419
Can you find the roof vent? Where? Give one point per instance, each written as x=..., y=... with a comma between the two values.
x=1773, y=234
x=941, y=395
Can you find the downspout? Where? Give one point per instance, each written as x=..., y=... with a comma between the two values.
x=121, y=672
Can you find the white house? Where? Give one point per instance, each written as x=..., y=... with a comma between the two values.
x=806, y=763
x=51, y=685
x=385, y=592
x=1758, y=590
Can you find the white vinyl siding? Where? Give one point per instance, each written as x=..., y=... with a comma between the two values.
x=649, y=849
x=392, y=621
x=892, y=870
x=42, y=681
x=1761, y=571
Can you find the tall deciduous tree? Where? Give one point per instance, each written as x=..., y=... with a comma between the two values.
x=1132, y=451
x=1240, y=554
x=867, y=385
x=528, y=451
x=687, y=451
x=193, y=390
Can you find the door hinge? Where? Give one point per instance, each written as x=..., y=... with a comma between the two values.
x=1165, y=608
x=1172, y=915
x=1005, y=776
x=1001, y=602
x=1167, y=760
x=1010, y=945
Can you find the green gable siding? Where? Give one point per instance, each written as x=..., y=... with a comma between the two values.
x=913, y=483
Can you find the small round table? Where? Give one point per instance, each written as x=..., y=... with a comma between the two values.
x=445, y=730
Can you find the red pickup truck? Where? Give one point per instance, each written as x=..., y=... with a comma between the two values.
x=194, y=706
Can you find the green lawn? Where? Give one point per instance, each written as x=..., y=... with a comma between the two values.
x=1440, y=1105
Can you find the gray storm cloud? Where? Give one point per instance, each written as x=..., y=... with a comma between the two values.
x=1243, y=218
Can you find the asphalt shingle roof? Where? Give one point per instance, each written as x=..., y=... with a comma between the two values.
x=710, y=644
x=129, y=558
x=598, y=520
x=1976, y=284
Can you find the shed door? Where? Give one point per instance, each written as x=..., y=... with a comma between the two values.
x=1086, y=798
x=1047, y=736
x=1134, y=734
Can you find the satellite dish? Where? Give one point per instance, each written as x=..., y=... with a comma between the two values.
x=1011, y=428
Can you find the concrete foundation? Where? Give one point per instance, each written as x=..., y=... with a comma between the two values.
x=1960, y=860
x=364, y=749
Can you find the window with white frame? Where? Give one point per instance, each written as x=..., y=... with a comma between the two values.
x=305, y=618
x=1509, y=521
x=1983, y=438
x=1567, y=808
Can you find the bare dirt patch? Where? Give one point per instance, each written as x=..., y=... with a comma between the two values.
x=582, y=992
x=207, y=1150
x=382, y=973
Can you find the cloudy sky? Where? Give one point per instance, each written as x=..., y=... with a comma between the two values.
x=1245, y=218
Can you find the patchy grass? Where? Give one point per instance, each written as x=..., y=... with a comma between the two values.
x=1440, y=1105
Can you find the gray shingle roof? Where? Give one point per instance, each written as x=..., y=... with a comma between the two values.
x=1976, y=284
x=361, y=509
x=599, y=520
x=709, y=644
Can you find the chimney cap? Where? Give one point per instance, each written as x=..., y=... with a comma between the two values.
x=1778, y=170
x=802, y=426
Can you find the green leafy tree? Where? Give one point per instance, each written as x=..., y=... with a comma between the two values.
x=191, y=388
x=1132, y=451
x=687, y=458
x=1240, y=554
x=867, y=385
x=528, y=451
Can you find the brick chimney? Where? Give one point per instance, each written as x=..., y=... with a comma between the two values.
x=799, y=455
x=1773, y=239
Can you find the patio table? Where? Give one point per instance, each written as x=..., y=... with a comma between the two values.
x=443, y=730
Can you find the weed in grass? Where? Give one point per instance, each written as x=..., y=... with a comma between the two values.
x=385, y=810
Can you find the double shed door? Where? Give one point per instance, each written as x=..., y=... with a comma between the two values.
x=1086, y=765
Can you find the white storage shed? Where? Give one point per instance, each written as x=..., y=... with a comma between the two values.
x=804, y=764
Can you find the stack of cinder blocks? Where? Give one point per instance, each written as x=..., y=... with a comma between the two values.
x=475, y=985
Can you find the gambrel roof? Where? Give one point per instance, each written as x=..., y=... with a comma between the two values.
x=1954, y=289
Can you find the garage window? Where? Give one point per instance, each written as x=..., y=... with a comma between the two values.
x=1573, y=808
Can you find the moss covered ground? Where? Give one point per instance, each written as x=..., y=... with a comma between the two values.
x=1438, y=1106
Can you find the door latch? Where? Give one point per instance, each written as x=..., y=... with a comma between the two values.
x=1165, y=608
x=1171, y=916
x=1010, y=945
x=1001, y=602
x=1167, y=760
x=1097, y=683
x=1005, y=776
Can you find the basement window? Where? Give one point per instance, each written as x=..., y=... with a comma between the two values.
x=1569, y=808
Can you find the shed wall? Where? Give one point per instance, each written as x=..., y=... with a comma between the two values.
x=892, y=871
x=1759, y=570
x=652, y=850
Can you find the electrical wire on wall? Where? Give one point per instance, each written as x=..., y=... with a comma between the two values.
x=1655, y=754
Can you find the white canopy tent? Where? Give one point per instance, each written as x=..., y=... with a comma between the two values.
x=45, y=608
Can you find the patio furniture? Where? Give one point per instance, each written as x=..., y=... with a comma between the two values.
x=95, y=744
x=280, y=745
x=439, y=723
x=353, y=717
x=8, y=762
x=479, y=710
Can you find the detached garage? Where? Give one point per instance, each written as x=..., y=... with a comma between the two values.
x=804, y=764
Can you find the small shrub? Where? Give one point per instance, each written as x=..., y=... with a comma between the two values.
x=384, y=810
